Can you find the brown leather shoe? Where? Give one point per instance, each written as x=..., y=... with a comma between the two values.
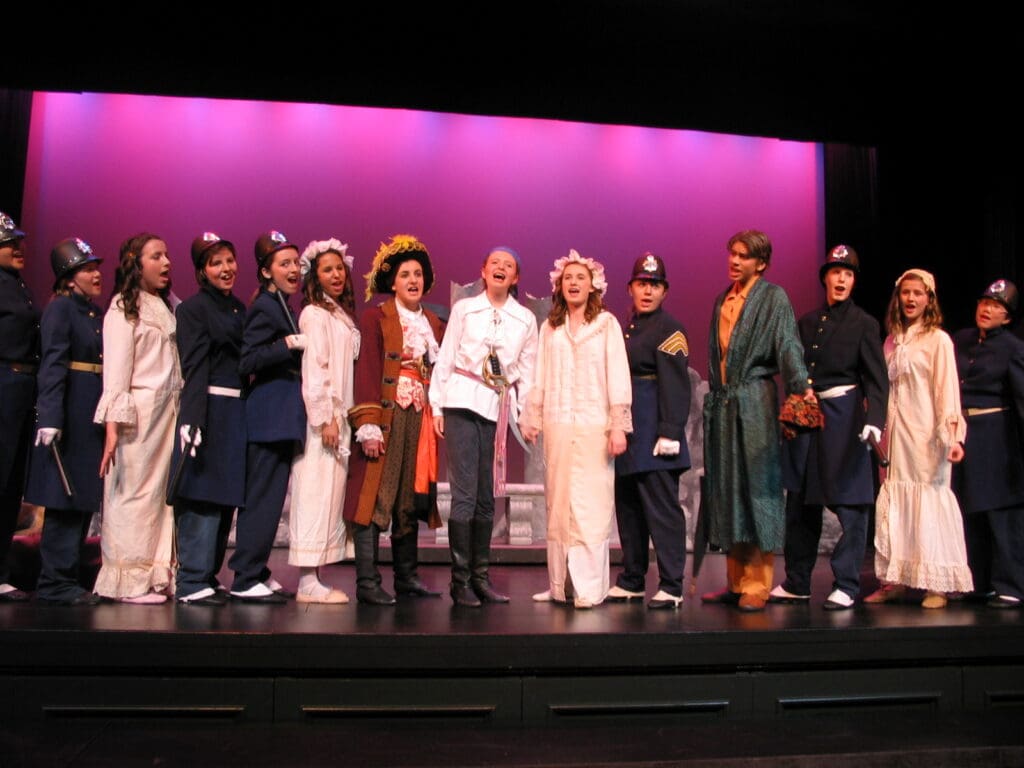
x=13, y=595
x=724, y=597
x=887, y=593
x=752, y=603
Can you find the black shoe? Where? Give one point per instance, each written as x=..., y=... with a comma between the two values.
x=272, y=599
x=619, y=594
x=368, y=589
x=460, y=545
x=14, y=596
x=287, y=594
x=481, y=551
x=464, y=596
x=217, y=599
x=837, y=601
x=782, y=596
x=1004, y=602
x=404, y=555
x=81, y=599
x=413, y=587
x=486, y=592
x=664, y=601
x=374, y=596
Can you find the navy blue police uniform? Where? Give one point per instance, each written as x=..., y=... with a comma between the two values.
x=70, y=384
x=833, y=468
x=647, y=486
x=212, y=483
x=19, y=362
x=276, y=425
x=989, y=482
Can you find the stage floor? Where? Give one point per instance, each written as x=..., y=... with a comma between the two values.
x=522, y=618
x=522, y=637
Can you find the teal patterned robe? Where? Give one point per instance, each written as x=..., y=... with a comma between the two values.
x=741, y=433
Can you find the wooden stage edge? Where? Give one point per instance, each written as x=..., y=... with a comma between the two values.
x=519, y=664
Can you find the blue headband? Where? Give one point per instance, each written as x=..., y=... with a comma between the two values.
x=511, y=252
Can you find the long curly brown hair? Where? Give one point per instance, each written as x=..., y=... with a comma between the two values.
x=128, y=277
x=313, y=291
x=560, y=309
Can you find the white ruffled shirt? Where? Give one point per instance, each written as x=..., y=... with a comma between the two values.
x=475, y=329
x=417, y=335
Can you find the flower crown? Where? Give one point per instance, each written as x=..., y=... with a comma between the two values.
x=596, y=271
x=318, y=247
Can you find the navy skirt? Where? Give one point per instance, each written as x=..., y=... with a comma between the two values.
x=217, y=473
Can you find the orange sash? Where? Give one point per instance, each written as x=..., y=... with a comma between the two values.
x=426, y=448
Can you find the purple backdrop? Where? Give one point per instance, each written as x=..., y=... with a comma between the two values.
x=103, y=167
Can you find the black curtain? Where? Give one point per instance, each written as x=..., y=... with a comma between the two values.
x=951, y=206
x=852, y=217
x=15, y=115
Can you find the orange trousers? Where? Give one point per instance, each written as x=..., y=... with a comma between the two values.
x=749, y=570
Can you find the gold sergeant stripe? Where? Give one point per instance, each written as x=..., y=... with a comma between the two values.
x=675, y=344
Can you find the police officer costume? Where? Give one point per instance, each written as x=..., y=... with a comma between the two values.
x=70, y=384
x=275, y=418
x=833, y=468
x=212, y=482
x=989, y=482
x=647, y=486
x=19, y=361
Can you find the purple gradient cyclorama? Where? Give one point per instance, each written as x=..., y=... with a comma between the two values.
x=103, y=167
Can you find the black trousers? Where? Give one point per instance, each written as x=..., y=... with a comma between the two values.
x=647, y=509
x=995, y=550
x=60, y=554
x=201, y=535
x=268, y=466
x=803, y=532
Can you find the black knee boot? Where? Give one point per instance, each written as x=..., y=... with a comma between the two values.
x=407, y=581
x=459, y=541
x=368, y=589
x=481, y=562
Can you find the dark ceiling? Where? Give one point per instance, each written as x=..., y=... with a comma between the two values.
x=857, y=72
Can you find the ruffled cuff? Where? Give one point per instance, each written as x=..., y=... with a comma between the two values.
x=369, y=432
x=952, y=429
x=118, y=407
x=620, y=417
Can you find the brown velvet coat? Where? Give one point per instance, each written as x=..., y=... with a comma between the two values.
x=376, y=383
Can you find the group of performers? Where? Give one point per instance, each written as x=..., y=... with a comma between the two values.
x=171, y=420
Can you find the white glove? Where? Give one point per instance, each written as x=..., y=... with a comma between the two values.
x=46, y=435
x=868, y=432
x=193, y=442
x=666, y=447
x=296, y=341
